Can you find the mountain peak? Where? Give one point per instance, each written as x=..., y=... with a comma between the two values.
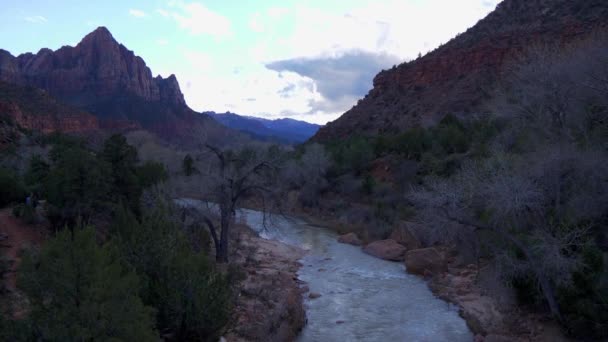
x=100, y=34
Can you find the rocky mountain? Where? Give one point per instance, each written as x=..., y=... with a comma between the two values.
x=103, y=77
x=280, y=130
x=460, y=76
x=34, y=109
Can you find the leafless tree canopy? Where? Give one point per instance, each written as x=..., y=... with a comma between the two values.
x=538, y=201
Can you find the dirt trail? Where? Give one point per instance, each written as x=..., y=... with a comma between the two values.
x=15, y=235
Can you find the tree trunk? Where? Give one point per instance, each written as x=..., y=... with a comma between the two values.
x=222, y=252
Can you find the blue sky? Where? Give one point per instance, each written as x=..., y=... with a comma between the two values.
x=306, y=59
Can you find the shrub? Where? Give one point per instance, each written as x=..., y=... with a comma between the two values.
x=192, y=298
x=11, y=188
x=81, y=291
x=151, y=173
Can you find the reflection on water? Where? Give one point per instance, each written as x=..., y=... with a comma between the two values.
x=362, y=298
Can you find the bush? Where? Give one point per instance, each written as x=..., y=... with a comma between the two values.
x=37, y=174
x=77, y=185
x=151, y=173
x=81, y=291
x=11, y=188
x=193, y=299
x=585, y=302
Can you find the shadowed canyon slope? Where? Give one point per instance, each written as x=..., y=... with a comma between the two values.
x=103, y=77
x=459, y=77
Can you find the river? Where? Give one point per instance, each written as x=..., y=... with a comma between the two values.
x=362, y=298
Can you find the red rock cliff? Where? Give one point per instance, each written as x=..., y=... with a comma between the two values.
x=459, y=76
x=97, y=67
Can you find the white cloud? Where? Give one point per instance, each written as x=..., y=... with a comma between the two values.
x=256, y=24
x=36, y=19
x=200, y=20
x=277, y=12
x=137, y=13
x=163, y=13
x=400, y=28
x=162, y=42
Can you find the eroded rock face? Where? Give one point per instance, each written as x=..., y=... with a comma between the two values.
x=33, y=109
x=459, y=76
x=386, y=249
x=425, y=260
x=97, y=67
x=350, y=238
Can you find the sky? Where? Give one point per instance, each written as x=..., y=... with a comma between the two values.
x=304, y=59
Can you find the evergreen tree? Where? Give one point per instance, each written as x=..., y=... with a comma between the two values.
x=80, y=291
x=122, y=159
x=77, y=184
x=193, y=299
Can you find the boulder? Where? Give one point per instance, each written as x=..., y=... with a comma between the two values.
x=386, y=249
x=350, y=238
x=404, y=236
x=431, y=260
x=314, y=295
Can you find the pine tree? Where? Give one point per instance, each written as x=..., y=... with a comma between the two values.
x=80, y=291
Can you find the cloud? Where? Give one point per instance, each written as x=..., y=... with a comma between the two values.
x=36, y=19
x=162, y=42
x=256, y=24
x=137, y=13
x=163, y=13
x=341, y=80
x=313, y=63
x=200, y=20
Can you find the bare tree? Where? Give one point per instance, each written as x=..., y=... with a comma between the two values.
x=226, y=178
x=560, y=92
x=526, y=203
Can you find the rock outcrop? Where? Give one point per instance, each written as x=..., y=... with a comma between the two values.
x=459, y=77
x=350, y=238
x=404, y=236
x=34, y=109
x=424, y=260
x=386, y=249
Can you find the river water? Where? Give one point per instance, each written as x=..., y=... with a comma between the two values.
x=362, y=298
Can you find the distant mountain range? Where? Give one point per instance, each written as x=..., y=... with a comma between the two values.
x=279, y=130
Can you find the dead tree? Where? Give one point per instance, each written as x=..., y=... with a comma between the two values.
x=225, y=180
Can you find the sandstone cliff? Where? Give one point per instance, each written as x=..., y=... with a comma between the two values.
x=102, y=77
x=460, y=76
x=97, y=67
x=34, y=109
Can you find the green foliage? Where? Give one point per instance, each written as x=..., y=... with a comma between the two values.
x=11, y=188
x=353, y=154
x=77, y=184
x=585, y=302
x=37, y=174
x=193, y=298
x=151, y=173
x=122, y=159
x=188, y=165
x=80, y=291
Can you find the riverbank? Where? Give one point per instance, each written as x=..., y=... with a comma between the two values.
x=491, y=314
x=269, y=306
